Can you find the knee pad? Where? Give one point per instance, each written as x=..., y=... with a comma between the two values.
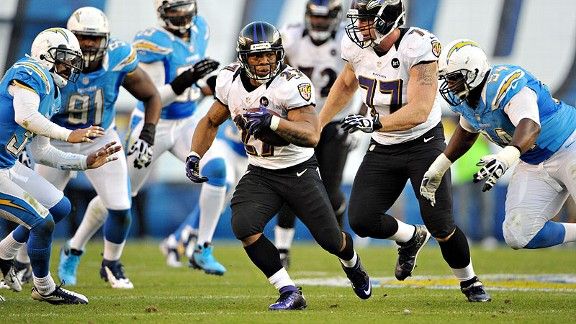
x=513, y=230
x=61, y=209
x=215, y=170
x=44, y=228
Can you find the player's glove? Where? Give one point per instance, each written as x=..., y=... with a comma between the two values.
x=356, y=122
x=495, y=165
x=187, y=78
x=256, y=121
x=143, y=146
x=193, y=168
x=433, y=178
x=25, y=159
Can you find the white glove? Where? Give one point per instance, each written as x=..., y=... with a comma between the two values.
x=143, y=152
x=495, y=165
x=433, y=178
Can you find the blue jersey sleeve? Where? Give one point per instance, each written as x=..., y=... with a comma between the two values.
x=32, y=75
x=122, y=57
x=152, y=45
x=510, y=82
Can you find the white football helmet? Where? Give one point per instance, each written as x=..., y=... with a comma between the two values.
x=57, y=49
x=462, y=67
x=176, y=15
x=90, y=22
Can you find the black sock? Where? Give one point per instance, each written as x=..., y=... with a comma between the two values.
x=264, y=255
x=456, y=251
x=466, y=283
x=348, y=252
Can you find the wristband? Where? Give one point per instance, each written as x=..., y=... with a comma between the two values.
x=274, y=123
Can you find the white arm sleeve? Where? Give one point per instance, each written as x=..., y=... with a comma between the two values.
x=156, y=72
x=46, y=154
x=524, y=104
x=26, y=114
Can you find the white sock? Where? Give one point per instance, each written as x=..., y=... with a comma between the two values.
x=570, y=235
x=466, y=273
x=283, y=237
x=113, y=251
x=9, y=247
x=44, y=285
x=172, y=242
x=94, y=218
x=350, y=263
x=22, y=255
x=211, y=204
x=404, y=233
x=281, y=279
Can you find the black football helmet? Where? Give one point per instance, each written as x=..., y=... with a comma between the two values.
x=373, y=17
x=322, y=29
x=176, y=15
x=260, y=37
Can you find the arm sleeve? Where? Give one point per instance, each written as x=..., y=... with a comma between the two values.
x=156, y=72
x=524, y=104
x=26, y=103
x=46, y=154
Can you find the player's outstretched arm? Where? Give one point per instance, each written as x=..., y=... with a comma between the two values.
x=340, y=94
x=103, y=155
x=422, y=88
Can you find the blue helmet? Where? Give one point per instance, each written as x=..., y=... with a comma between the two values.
x=260, y=37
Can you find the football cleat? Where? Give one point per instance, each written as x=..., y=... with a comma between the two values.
x=23, y=271
x=60, y=296
x=68, y=266
x=9, y=273
x=171, y=254
x=360, y=281
x=475, y=291
x=113, y=272
x=408, y=252
x=203, y=259
x=284, y=258
x=290, y=300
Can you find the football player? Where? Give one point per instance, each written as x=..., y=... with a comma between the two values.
x=174, y=57
x=314, y=49
x=395, y=69
x=108, y=64
x=273, y=106
x=29, y=95
x=516, y=111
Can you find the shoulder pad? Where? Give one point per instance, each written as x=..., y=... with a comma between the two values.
x=121, y=56
x=34, y=75
x=152, y=44
x=418, y=42
x=508, y=85
x=349, y=50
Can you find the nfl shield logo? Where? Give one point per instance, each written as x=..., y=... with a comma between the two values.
x=305, y=90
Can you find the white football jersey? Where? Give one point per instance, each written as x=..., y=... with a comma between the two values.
x=383, y=80
x=321, y=64
x=290, y=89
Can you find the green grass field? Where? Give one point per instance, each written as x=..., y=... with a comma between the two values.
x=526, y=286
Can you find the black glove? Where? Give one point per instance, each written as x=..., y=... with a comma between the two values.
x=257, y=121
x=147, y=133
x=187, y=78
x=193, y=168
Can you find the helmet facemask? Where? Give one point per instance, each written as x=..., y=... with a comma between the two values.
x=93, y=45
x=178, y=15
x=67, y=63
x=252, y=70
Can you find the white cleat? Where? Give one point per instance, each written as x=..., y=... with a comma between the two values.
x=60, y=296
x=10, y=278
x=113, y=273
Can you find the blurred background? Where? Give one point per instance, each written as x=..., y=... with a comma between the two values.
x=538, y=35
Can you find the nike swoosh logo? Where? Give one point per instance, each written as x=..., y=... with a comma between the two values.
x=567, y=146
x=426, y=140
x=301, y=172
x=367, y=292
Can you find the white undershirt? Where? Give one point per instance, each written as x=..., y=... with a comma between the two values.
x=46, y=154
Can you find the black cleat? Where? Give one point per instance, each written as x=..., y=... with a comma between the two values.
x=475, y=291
x=60, y=296
x=291, y=300
x=408, y=252
x=23, y=271
x=9, y=274
x=359, y=279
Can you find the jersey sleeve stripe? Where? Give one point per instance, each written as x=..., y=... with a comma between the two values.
x=22, y=85
x=144, y=45
x=38, y=71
